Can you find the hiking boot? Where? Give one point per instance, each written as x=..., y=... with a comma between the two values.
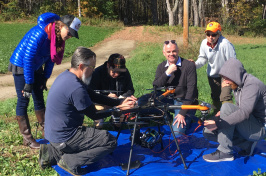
x=44, y=159
x=76, y=172
x=249, y=151
x=25, y=130
x=218, y=156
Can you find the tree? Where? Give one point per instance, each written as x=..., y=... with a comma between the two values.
x=171, y=12
x=154, y=12
x=196, y=12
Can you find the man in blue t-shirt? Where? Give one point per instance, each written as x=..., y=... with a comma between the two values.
x=71, y=144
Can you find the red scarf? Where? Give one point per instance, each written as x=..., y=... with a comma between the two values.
x=55, y=57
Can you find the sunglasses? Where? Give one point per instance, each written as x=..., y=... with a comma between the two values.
x=213, y=35
x=168, y=41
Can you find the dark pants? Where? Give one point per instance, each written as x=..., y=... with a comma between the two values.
x=240, y=135
x=219, y=94
x=37, y=93
x=87, y=146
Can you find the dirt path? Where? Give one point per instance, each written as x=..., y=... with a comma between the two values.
x=122, y=42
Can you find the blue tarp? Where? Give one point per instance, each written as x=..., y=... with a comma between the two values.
x=167, y=162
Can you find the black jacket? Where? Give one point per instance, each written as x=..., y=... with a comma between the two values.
x=101, y=80
x=184, y=80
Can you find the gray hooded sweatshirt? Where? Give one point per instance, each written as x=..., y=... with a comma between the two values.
x=250, y=96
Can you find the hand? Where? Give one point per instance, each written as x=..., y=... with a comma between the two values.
x=210, y=125
x=172, y=68
x=27, y=90
x=191, y=60
x=112, y=95
x=217, y=114
x=128, y=103
x=180, y=120
x=225, y=84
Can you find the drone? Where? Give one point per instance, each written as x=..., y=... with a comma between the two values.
x=152, y=104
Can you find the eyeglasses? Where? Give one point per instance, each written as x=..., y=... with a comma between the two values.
x=113, y=70
x=168, y=41
x=93, y=67
x=213, y=35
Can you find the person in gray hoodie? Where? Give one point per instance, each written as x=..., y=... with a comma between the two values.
x=241, y=125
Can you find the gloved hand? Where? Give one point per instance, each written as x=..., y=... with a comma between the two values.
x=27, y=90
x=43, y=84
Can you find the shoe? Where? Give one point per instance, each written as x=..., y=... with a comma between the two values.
x=44, y=156
x=218, y=156
x=249, y=151
x=78, y=171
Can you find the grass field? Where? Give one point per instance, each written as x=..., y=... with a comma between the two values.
x=16, y=159
x=12, y=33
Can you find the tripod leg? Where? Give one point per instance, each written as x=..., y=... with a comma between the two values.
x=159, y=130
x=120, y=128
x=132, y=144
x=172, y=131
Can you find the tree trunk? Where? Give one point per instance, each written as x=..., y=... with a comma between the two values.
x=196, y=12
x=154, y=12
x=79, y=11
x=171, y=12
x=180, y=13
x=201, y=13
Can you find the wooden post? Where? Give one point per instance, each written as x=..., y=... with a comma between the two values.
x=79, y=11
x=185, y=24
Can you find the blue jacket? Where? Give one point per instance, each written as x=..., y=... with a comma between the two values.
x=34, y=49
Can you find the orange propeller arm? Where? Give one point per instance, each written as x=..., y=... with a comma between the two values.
x=167, y=92
x=199, y=107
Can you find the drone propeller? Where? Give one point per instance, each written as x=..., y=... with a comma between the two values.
x=107, y=91
x=157, y=88
x=207, y=104
x=162, y=88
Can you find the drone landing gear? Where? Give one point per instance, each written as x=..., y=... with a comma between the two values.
x=137, y=164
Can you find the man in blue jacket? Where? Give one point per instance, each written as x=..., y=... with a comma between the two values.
x=240, y=125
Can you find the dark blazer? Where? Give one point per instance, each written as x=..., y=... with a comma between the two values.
x=101, y=80
x=184, y=80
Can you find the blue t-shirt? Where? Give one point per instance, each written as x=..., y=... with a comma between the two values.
x=67, y=97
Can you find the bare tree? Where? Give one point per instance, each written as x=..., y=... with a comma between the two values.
x=171, y=12
x=154, y=12
x=180, y=13
x=195, y=12
x=79, y=11
x=201, y=13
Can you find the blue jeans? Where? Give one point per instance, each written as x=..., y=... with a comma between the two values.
x=188, y=118
x=37, y=94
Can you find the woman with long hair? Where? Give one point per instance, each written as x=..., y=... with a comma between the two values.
x=32, y=64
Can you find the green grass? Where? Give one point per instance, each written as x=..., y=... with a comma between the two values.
x=12, y=33
x=16, y=159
